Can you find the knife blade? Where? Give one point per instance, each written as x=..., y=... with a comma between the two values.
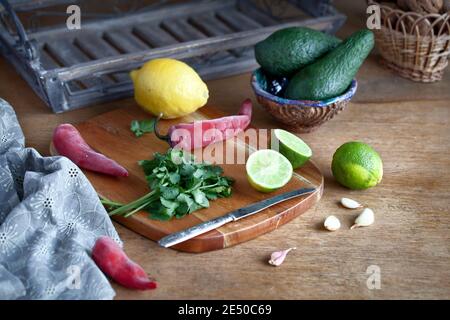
x=189, y=233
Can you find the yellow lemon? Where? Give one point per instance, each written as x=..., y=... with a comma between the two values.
x=168, y=87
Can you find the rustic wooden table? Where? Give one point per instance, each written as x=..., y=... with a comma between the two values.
x=407, y=122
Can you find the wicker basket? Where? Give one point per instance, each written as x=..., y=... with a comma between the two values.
x=416, y=46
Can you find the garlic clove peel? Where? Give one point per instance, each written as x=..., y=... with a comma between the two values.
x=332, y=223
x=365, y=219
x=277, y=258
x=350, y=204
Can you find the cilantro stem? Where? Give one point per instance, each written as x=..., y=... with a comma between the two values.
x=132, y=205
x=209, y=186
x=110, y=203
x=137, y=209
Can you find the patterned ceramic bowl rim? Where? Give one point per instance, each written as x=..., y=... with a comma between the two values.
x=307, y=103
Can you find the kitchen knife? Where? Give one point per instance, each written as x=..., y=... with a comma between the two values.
x=181, y=236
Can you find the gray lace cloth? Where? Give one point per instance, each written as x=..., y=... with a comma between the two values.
x=50, y=217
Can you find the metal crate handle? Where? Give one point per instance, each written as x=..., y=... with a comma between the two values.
x=23, y=40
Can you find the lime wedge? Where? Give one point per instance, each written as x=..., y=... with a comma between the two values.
x=293, y=148
x=268, y=170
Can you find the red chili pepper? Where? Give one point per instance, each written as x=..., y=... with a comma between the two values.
x=68, y=142
x=198, y=134
x=113, y=261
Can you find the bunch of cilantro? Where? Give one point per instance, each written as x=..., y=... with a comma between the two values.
x=179, y=186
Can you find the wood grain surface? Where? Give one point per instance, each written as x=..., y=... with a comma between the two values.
x=110, y=134
x=410, y=240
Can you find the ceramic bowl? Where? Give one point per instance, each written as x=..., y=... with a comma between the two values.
x=299, y=115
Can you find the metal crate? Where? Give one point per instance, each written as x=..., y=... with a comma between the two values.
x=69, y=69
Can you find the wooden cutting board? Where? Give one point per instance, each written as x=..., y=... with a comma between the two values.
x=110, y=134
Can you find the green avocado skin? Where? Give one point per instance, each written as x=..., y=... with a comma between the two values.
x=332, y=74
x=286, y=51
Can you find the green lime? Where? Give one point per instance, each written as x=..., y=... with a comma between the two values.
x=293, y=148
x=357, y=166
x=268, y=170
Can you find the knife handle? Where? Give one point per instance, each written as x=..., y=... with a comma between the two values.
x=194, y=231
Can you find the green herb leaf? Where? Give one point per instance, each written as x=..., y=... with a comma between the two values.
x=158, y=211
x=169, y=193
x=185, y=198
x=211, y=195
x=174, y=178
x=187, y=169
x=200, y=198
x=163, y=215
x=149, y=165
x=172, y=205
x=198, y=173
x=139, y=128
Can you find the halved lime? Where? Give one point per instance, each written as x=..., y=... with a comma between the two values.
x=292, y=147
x=268, y=170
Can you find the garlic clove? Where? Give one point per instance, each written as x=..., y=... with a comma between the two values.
x=365, y=219
x=277, y=258
x=332, y=223
x=350, y=204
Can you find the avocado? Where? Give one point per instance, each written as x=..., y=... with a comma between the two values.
x=331, y=75
x=287, y=50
